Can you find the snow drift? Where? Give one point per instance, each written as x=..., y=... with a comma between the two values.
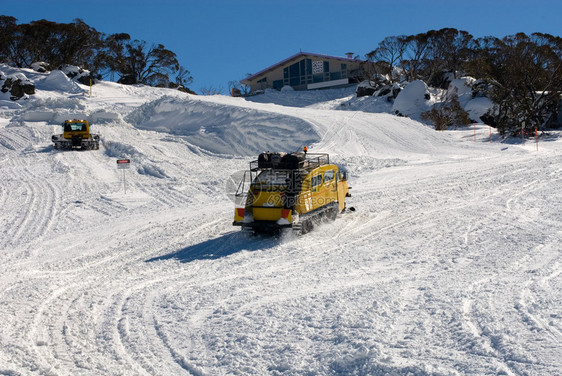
x=224, y=129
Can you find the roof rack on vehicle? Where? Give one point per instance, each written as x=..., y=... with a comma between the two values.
x=289, y=161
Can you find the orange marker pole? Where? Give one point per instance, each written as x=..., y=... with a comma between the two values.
x=537, y=138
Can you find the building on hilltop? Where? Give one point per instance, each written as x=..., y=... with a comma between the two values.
x=307, y=71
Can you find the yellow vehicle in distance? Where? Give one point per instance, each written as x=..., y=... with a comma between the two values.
x=76, y=135
x=290, y=190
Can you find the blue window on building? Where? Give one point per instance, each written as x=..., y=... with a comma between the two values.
x=294, y=70
x=335, y=75
x=299, y=73
x=278, y=84
x=307, y=71
x=294, y=74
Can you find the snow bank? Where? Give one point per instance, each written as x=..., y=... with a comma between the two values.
x=115, y=149
x=53, y=110
x=58, y=109
x=58, y=81
x=477, y=107
x=143, y=163
x=302, y=98
x=8, y=104
x=104, y=116
x=222, y=128
x=413, y=100
x=287, y=88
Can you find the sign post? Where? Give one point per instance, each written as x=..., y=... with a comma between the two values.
x=124, y=164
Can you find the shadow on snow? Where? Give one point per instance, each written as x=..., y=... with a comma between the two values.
x=222, y=246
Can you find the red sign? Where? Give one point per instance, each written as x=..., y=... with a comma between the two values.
x=123, y=163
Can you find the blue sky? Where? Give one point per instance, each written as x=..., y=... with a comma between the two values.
x=220, y=41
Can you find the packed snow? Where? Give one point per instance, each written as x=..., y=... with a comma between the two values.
x=450, y=265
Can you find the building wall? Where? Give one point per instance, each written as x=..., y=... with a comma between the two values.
x=305, y=70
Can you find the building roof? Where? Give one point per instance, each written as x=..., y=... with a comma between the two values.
x=294, y=57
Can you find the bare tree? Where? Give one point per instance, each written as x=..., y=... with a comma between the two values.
x=448, y=51
x=390, y=52
x=151, y=66
x=212, y=90
x=417, y=49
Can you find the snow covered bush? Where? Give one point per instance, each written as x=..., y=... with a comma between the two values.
x=447, y=114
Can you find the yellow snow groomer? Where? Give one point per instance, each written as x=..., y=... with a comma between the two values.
x=76, y=135
x=290, y=190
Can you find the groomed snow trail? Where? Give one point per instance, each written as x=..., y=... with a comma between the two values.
x=450, y=265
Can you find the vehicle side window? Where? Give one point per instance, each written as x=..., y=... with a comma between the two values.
x=328, y=176
x=316, y=181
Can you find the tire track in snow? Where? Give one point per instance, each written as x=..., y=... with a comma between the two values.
x=136, y=304
x=529, y=296
x=18, y=222
x=39, y=210
x=486, y=310
x=411, y=216
x=136, y=311
x=14, y=138
x=156, y=357
x=66, y=329
x=517, y=306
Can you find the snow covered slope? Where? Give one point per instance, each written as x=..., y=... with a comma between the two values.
x=451, y=264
